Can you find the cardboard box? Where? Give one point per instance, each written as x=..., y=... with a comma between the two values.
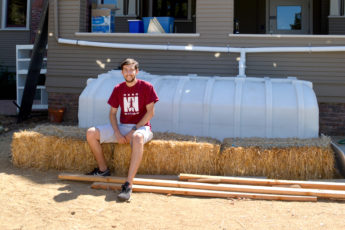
x=103, y=20
x=107, y=6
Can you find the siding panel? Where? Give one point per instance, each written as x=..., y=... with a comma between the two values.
x=337, y=25
x=8, y=42
x=70, y=66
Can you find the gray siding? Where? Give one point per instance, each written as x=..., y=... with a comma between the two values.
x=0, y=10
x=70, y=66
x=214, y=19
x=336, y=25
x=69, y=16
x=8, y=41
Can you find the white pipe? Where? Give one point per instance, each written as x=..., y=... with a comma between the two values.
x=295, y=49
x=203, y=48
x=242, y=64
x=66, y=41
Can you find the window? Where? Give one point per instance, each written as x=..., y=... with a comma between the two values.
x=289, y=17
x=15, y=14
x=179, y=9
x=125, y=7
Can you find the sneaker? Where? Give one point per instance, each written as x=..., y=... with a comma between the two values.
x=97, y=172
x=125, y=193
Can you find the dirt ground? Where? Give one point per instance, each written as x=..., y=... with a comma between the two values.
x=32, y=199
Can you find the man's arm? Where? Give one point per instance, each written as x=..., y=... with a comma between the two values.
x=113, y=120
x=150, y=112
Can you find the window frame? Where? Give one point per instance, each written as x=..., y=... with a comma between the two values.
x=4, y=17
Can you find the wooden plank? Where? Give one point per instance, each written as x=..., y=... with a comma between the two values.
x=203, y=193
x=267, y=182
x=80, y=177
x=120, y=180
x=205, y=180
x=336, y=194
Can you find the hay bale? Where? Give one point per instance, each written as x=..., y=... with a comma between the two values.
x=170, y=153
x=284, y=158
x=55, y=147
x=65, y=148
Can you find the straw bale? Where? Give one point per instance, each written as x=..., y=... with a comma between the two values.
x=65, y=148
x=165, y=155
x=278, y=158
x=55, y=147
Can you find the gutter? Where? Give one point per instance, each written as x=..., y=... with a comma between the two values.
x=242, y=51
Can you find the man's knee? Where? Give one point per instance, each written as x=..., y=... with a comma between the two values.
x=92, y=134
x=138, y=138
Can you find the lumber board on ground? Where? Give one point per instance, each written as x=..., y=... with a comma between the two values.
x=203, y=193
x=336, y=194
x=264, y=182
x=82, y=177
x=89, y=178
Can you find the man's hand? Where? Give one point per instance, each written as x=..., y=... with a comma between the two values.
x=121, y=139
x=129, y=135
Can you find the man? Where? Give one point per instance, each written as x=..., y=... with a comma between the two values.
x=136, y=99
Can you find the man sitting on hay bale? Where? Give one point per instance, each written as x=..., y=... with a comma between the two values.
x=136, y=99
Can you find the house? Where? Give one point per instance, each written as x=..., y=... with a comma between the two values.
x=75, y=54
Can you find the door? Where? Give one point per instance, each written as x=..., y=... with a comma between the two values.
x=289, y=17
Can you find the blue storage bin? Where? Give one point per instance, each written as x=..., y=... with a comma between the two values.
x=135, y=26
x=103, y=21
x=166, y=22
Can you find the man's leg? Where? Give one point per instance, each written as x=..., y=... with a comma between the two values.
x=137, y=155
x=93, y=138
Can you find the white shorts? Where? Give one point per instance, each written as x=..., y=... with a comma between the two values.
x=107, y=134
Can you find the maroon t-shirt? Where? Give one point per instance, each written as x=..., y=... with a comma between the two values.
x=133, y=100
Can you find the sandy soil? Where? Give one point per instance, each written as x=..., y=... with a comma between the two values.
x=32, y=199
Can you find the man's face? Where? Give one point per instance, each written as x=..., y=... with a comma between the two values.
x=129, y=72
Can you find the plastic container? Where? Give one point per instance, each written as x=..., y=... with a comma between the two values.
x=103, y=21
x=217, y=107
x=56, y=114
x=166, y=22
x=136, y=26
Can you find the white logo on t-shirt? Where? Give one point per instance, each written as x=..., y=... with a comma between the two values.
x=131, y=104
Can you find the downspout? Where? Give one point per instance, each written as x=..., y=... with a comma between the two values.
x=242, y=64
x=242, y=51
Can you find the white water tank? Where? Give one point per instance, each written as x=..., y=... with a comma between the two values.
x=217, y=107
